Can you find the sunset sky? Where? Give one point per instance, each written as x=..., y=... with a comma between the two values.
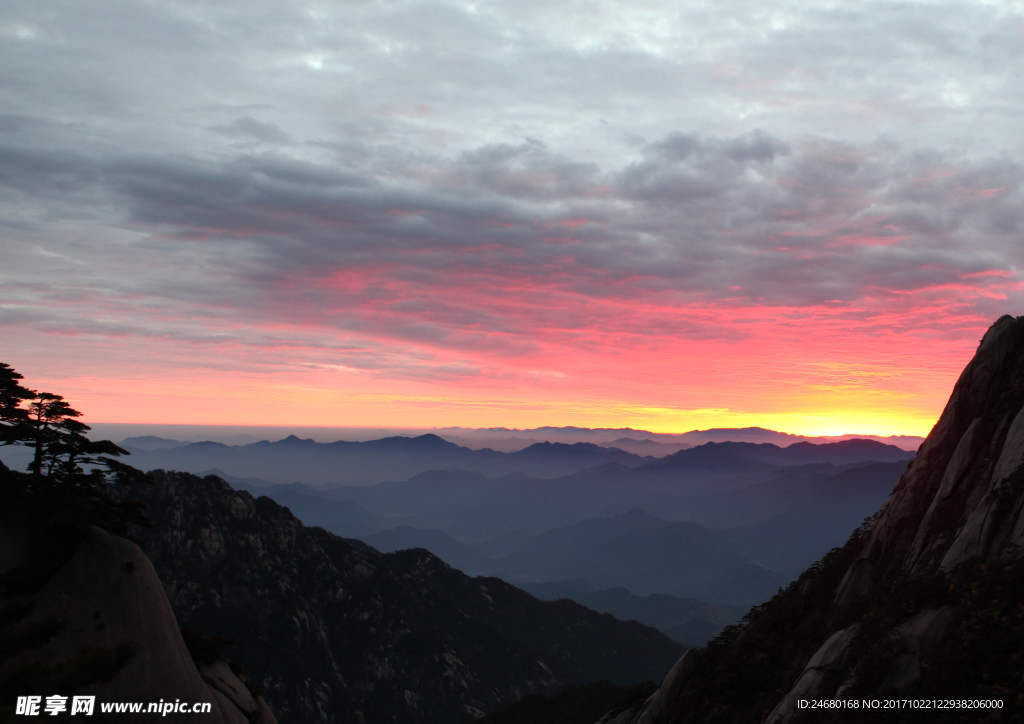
x=660, y=215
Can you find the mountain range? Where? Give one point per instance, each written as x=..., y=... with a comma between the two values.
x=686, y=620
x=395, y=458
x=319, y=628
x=501, y=438
x=374, y=461
x=921, y=604
x=333, y=630
x=760, y=512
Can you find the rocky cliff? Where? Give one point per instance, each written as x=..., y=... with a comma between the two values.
x=334, y=631
x=925, y=601
x=82, y=612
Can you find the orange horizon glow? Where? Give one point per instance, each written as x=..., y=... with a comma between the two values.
x=813, y=377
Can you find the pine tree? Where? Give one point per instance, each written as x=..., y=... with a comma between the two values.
x=12, y=415
x=67, y=468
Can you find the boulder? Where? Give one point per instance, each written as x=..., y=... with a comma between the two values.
x=108, y=594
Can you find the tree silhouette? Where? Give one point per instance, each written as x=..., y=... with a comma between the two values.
x=52, y=426
x=12, y=415
x=61, y=447
x=67, y=468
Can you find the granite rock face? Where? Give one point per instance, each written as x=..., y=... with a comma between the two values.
x=958, y=501
x=334, y=631
x=926, y=595
x=107, y=596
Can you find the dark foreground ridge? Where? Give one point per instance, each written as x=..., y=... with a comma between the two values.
x=333, y=631
x=924, y=601
x=83, y=613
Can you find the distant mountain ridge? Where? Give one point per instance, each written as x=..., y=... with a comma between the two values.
x=334, y=631
x=374, y=461
x=774, y=509
x=608, y=436
x=151, y=442
x=687, y=620
x=397, y=458
x=800, y=453
x=634, y=550
x=774, y=518
x=500, y=439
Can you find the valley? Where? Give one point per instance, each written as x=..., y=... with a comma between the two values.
x=723, y=524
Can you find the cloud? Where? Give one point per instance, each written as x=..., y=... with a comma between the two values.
x=249, y=128
x=750, y=219
x=440, y=190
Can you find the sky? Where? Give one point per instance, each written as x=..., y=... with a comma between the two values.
x=659, y=215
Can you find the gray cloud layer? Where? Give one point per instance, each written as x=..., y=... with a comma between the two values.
x=459, y=176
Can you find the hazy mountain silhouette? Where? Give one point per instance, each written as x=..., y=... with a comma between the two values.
x=151, y=442
x=644, y=554
x=738, y=531
x=634, y=550
x=335, y=631
x=687, y=620
x=742, y=455
x=923, y=602
x=483, y=437
x=361, y=463
x=646, y=446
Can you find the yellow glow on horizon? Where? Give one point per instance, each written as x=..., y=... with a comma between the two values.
x=257, y=403
x=810, y=423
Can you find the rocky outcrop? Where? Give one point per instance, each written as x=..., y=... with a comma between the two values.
x=829, y=659
x=959, y=500
x=333, y=631
x=229, y=690
x=107, y=600
x=924, y=598
x=660, y=703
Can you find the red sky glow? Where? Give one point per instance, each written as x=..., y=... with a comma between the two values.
x=670, y=217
